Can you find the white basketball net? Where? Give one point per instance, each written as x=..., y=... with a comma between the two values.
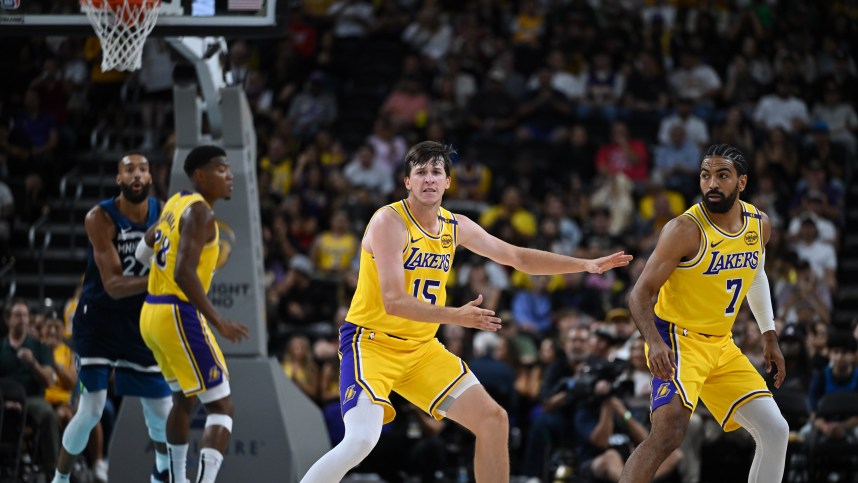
x=122, y=27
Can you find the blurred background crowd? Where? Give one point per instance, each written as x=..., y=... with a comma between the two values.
x=579, y=127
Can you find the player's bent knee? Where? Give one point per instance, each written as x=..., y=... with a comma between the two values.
x=155, y=412
x=494, y=422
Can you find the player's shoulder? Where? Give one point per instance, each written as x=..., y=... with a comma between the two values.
x=681, y=230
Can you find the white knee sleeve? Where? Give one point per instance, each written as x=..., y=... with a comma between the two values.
x=363, y=428
x=87, y=416
x=762, y=418
x=155, y=411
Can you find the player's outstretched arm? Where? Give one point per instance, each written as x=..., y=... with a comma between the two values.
x=385, y=238
x=679, y=239
x=197, y=227
x=101, y=230
x=535, y=262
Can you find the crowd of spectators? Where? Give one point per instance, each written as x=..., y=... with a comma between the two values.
x=579, y=126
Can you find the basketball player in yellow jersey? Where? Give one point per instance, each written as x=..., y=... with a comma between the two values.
x=175, y=318
x=705, y=262
x=388, y=341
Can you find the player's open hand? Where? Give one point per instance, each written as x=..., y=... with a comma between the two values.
x=772, y=355
x=614, y=260
x=475, y=317
x=662, y=362
x=233, y=331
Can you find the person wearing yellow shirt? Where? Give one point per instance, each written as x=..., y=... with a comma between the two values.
x=511, y=210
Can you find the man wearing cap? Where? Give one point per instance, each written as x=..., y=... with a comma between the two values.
x=813, y=205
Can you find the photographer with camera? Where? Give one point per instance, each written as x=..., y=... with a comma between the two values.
x=554, y=423
x=605, y=431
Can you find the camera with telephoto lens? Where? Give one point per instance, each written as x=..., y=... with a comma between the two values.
x=582, y=387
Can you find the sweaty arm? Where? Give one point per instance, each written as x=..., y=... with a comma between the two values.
x=534, y=262
x=680, y=239
x=384, y=239
x=101, y=230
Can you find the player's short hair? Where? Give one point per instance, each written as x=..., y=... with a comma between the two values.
x=426, y=152
x=201, y=156
x=730, y=152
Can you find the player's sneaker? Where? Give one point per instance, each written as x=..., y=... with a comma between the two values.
x=159, y=476
x=99, y=470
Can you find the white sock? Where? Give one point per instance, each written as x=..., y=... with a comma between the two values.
x=210, y=461
x=178, y=458
x=162, y=461
x=60, y=478
x=762, y=418
x=363, y=428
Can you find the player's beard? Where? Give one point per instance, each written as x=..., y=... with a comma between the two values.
x=135, y=198
x=723, y=205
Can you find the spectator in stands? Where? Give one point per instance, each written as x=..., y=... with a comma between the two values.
x=511, y=210
x=833, y=156
x=494, y=373
x=408, y=105
x=304, y=299
x=492, y=112
x=813, y=205
x=334, y=249
x=816, y=178
x=313, y=109
x=527, y=28
x=603, y=89
x=696, y=81
x=59, y=393
x=741, y=90
x=675, y=162
x=614, y=198
x=819, y=254
x=841, y=375
x=366, y=171
x=839, y=117
x=389, y=147
x=298, y=365
x=31, y=152
x=471, y=180
x=808, y=292
x=696, y=130
x=796, y=359
x=543, y=112
x=777, y=156
x=531, y=307
x=783, y=109
x=645, y=97
x=623, y=154
x=430, y=34
x=735, y=130
x=25, y=360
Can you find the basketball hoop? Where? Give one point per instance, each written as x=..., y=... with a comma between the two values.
x=122, y=26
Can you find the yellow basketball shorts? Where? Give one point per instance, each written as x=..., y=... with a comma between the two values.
x=710, y=368
x=183, y=345
x=424, y=373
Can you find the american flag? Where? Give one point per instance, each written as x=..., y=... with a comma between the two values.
x=244, y=4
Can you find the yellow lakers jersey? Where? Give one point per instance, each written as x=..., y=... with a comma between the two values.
x=427, y=259
x=161, y=280
x=336, y=252
x=704, y=294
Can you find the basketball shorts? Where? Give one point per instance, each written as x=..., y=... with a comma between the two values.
x=185, y=348
x=710, y=368
x=424, y=373
x=107, y=336
x=126, y=382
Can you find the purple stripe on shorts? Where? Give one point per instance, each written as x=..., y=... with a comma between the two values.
x=349, y=388
x=663, y=390
x=197, y=342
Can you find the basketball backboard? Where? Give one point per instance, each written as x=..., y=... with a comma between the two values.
x=244, y=18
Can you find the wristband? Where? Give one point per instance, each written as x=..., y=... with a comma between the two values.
x=627, y=415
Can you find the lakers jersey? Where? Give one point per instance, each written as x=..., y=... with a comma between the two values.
x=161, y=279
x=427, y=259
x=704, y=294
x=335, y=252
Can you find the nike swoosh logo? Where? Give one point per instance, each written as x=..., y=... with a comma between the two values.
x=125, y=230
x=715, y=244
x=415, y=240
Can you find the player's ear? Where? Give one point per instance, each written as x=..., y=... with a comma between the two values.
x=743, y=181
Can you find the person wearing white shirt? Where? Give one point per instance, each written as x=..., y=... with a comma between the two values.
x=696, y=130
x=782, y=109
x=365, y=172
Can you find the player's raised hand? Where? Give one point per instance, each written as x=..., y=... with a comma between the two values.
x=662, y=362
x=614, y=260
x=475, y=317
x=232, y=331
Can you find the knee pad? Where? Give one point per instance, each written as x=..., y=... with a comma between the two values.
x=87, y=416
x=215, y=419
x=155, y=411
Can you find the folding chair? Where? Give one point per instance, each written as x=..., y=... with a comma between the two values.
x=14, y=404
